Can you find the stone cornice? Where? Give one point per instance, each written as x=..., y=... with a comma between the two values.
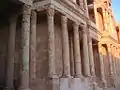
x=109, y=39
x=93, y=28
x=74, y=13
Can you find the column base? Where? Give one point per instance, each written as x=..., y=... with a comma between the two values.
x=104, y=83
x=94, y=85
x=53, y=83
x=111, y=80
x=66, y=76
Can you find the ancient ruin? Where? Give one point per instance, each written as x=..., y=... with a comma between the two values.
x=59, y=45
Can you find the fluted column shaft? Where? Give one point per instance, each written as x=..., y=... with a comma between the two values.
x=11, y=52
x=65, y=43
x=25, y=35
x=78, y=71
x=33, y=45
x=85, y=52
x=51, y=42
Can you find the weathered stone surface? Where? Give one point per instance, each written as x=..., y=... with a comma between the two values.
x=59, y=49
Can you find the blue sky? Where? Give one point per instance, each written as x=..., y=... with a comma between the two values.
x=116, y=9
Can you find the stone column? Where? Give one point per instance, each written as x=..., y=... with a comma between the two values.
x=78, y=71
x=81, y=4
x=110, y=59
x=33, y=45
x=92, y=68
x=111, y=27
x=11, y=53
x=72, y=62
x=101, y=63
x=25, y=35
x=51, y=42
x=85, y=7
x=114, y=62
x=96, y=14
x=65, y=43
x=104, y=18
x=85, y=52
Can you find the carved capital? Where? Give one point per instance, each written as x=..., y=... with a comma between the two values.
x=50, y=12
x=83, y=28
x=26, y=9
x=33, y=14
x=76, y=25
x=64, y=19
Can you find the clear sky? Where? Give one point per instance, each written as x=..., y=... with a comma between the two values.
x=116, y=9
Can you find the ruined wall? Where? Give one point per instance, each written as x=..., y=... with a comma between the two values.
x=41, y=81
x=41, y=54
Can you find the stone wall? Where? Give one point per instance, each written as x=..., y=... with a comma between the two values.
x=3, y=54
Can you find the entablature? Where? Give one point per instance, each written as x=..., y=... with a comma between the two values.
x=75, y=13
x=94, y=32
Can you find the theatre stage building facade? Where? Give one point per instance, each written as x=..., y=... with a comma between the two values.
x=59, y=45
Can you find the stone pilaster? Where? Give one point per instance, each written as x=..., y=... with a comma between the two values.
x=51, y=42
x=85, y=51
x=33, y=45
x=25, y=35
x=65, y=43
x=11, y=53
x=78, y=71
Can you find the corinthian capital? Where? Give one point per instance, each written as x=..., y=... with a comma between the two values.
x=64, y=19
x=50, y=11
